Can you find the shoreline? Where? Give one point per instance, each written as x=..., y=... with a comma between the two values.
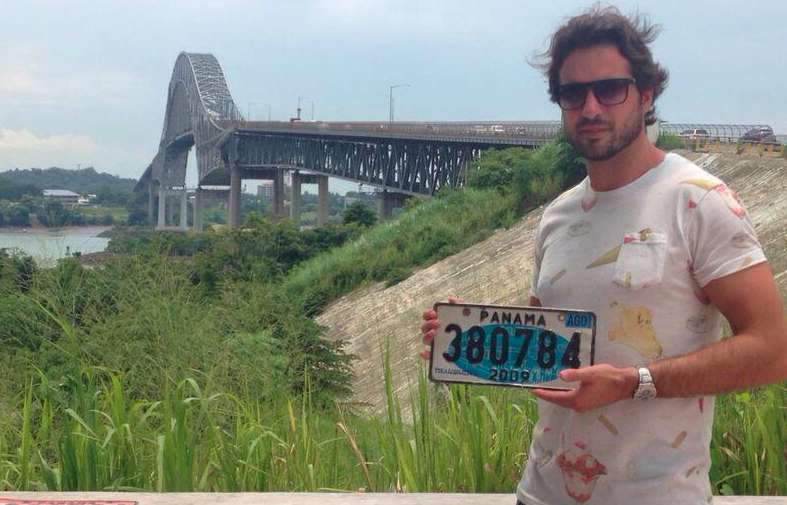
x=41, y=230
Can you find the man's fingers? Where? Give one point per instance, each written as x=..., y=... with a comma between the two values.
x=432, y=324
x=573, y=374
x=429, y=314
x=561, y=398
x=454, y=299
x=426, y=354
x=429, y=336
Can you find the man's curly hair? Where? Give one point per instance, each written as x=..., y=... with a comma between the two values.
x=606, y=25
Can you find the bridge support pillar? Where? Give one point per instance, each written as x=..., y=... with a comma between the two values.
x=170, y=219
x=235, y=180
x=323, y=200
x=198, y=210
x=387, y=202
x=295, y=199
x=162, y=207
x=151, y=204
x=278, y=194
x=184, y=210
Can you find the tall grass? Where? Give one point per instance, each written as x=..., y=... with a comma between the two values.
x=462, y=439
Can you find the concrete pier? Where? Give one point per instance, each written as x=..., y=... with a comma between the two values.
x=234, y=210
x=278, y=194
x=162, y=207
x=197, y=219
x=295, y=198
x=388, y=201
x=184, y=210
x=323, y=200
x=323, y=197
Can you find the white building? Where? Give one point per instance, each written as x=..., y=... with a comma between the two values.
x=63, y=196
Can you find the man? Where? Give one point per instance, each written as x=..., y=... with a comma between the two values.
x=659, y=250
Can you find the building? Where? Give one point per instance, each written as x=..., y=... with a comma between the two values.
x=265, y=191
x=63, y=196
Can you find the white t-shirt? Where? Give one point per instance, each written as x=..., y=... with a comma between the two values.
x=637, y=257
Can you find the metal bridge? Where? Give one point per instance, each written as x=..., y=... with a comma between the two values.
x=400, y=159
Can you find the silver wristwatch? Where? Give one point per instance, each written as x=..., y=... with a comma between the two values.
x=645, y=389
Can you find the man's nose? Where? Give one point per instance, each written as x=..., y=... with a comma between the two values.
x=591, y=107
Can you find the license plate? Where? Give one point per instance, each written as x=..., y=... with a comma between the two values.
x=510, y=346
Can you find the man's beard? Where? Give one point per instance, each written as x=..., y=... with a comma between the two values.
x=595, y=152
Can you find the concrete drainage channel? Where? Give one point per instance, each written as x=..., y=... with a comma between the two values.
x=29, y=498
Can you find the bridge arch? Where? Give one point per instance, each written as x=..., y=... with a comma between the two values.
x=198, y=99
x=198, y=102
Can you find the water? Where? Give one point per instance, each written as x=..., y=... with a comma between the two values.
x=47, y=246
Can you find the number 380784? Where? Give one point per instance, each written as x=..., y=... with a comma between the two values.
x=499, y=346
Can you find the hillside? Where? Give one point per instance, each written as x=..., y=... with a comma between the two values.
x=498, y=271
x=85, y=180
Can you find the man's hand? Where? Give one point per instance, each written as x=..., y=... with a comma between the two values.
x=599, y=385
x=430, y=327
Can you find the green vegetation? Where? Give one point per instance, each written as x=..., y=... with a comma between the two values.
x=359, y=213
x=669, y=141
x=22, y=204
x=190, y=362
x=53, y=214
x=12, y=190
x=83, y=181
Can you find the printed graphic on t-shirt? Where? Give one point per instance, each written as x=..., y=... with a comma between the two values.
x=634, y=328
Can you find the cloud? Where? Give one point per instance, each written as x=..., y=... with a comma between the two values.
x=24, y=149
x=28, y=76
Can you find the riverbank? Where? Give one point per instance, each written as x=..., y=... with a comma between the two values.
x=47, y=245
x=82, y=230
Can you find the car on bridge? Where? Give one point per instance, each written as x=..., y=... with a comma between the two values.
x=694, y=134
x=760, y=135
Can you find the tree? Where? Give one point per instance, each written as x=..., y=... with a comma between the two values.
x=497, y=168
x=19, y=215
x=137, y=217
x=359, y=213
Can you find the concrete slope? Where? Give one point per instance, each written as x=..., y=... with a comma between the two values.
x=498, y=270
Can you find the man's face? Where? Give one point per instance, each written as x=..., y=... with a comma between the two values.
x=599, y=132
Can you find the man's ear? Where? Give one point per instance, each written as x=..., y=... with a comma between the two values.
x=646, y=98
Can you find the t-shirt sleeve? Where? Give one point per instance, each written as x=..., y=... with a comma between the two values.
x=722, y=236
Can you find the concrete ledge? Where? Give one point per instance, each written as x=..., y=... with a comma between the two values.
x=330, y=498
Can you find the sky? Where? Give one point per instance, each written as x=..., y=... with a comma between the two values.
x=84, y=83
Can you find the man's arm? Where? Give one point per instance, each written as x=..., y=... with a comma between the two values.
x=756, y=353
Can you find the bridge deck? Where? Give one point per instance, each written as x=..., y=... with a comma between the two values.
x=504, y=133
x=330, y=498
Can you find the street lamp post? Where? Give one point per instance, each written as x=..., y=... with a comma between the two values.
x=391, y=99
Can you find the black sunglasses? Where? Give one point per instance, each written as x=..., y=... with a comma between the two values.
x=572, y=96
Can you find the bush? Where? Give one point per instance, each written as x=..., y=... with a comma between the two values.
x=550, y=170
x=359, y=213
x=19, y=215
x=497, y=168
x=669, y=141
